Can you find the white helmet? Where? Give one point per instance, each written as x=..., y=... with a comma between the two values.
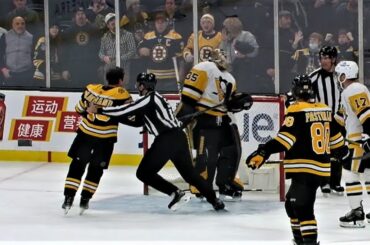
x=347, y=68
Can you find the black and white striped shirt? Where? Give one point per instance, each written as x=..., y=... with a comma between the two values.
x=152, y=110
x=326, y=88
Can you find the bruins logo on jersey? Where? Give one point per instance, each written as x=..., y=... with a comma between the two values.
x=205, y=53
x=82, y=38
x=159, y=53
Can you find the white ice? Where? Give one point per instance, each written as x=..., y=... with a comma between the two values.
x=31, y=195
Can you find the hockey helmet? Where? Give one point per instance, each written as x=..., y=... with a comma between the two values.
x=302, y=87
x=219, y=58
x=346, y=70
x=330, y=51
x=147, y=79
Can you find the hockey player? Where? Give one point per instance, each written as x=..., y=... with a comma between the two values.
x=154, y=113
x=96, y=135
x=356, y=103
x=307, y=137
x=215, y=136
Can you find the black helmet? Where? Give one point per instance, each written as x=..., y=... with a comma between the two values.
x=147, y=79
x=330, y=51
x=302, y=87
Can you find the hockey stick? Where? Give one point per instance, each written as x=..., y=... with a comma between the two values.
x=174, y=60
x=363, y=157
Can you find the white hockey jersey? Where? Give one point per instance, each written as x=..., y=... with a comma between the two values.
x=356, y=104
x=203, y=86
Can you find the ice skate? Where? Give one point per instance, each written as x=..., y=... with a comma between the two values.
x=178, y=199
x=230, y=195
x=338, y=190
x=325, y=190
x=218, y=204
x=68, y=201
x=353, y=219
x=84, y=204
x=368, y=217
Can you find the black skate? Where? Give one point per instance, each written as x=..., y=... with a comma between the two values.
x=68, y=201
x=179, y=199
x=218, y=204
x=84, y=204
x=338, y=190
x=230, y=195
x=325, y=189
x=368, y=217
x=353, y=219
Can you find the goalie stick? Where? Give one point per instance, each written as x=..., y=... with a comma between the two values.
x=364, y=156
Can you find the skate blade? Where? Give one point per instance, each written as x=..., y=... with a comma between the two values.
x=358, y=224
x=82, y=210
x=185, y=199
x=66, y=210
x=338, y=193
x=326, y=195
x=226, y=198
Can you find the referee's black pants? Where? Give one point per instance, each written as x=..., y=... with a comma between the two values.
x=171, y=145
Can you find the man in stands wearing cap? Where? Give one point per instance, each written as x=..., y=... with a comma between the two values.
x=80, y=49
x=208, y=40
x=157, y=50
x=97, y=12
x=107, y=51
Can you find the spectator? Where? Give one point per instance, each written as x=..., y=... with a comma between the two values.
x=157, y=50
x=31, y=17
x=56, y=68
x=16, y=55
x=80, y=51
x=307, y=59
x=289, y=40
x=97, y=12
x=321, y=16
x=135, y=20
x=2, y=31
x=346, y=47
x=177, y=20
x=208, y=39
x=107, y=52
x=240, y=48
x=347, y=16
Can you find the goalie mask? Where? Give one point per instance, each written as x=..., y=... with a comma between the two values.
x=302, y=88
x=219, y=58
x=346, y=70
x=239, y=102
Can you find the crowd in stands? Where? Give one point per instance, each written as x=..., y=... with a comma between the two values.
x=157, y=36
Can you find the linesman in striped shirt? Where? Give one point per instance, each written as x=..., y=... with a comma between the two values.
x=94, y=142
x=307, y=136
x=153, y=112
x=327, y=92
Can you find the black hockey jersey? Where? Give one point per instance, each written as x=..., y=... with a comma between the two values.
x=97, y=125
x=307, y=137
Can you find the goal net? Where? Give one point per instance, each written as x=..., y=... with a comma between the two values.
x=256, y=126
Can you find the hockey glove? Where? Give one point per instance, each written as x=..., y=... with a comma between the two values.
x=257, y=158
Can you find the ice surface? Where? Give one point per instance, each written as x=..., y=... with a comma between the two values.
x=31, y=195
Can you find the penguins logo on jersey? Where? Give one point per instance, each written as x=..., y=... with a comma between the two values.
x=159, y=53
